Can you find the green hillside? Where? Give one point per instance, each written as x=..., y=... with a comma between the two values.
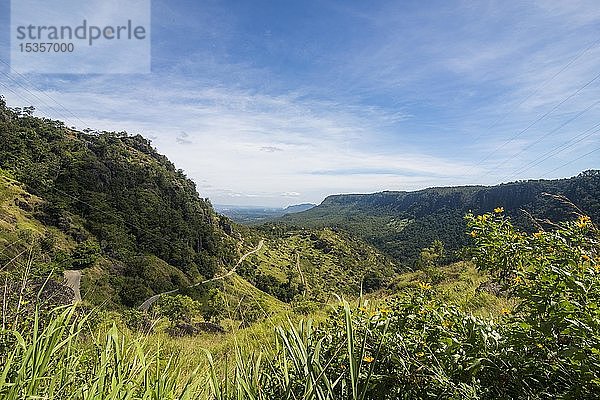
x=116, y=195
x=400, y=224
x=315, y=264
x=19, y=227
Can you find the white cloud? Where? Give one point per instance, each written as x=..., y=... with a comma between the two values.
x=419, y=100
x=245, y=145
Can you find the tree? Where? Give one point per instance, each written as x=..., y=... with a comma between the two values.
x=432, y=255
x=212, y=309
x=178, y=308
x=85, y=254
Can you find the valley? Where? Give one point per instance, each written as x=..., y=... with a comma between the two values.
x=419, y=294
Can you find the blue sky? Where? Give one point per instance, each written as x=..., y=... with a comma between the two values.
x=281, y=102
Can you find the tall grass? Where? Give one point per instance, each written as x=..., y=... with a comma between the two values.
x=300, y=365
x=62, y=359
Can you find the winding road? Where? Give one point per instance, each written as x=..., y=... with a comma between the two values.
x=151, y=300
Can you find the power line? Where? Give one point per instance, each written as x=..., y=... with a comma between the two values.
x=69, y=112
x=570, y=143
x=571, y=162
x=570, y=96
x=546, y=135
x=540, y=87
x=30, y=102
x=24, y=99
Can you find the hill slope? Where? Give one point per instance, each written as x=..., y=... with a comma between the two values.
x=118, y=194
x=315, y=264
x=402, y=223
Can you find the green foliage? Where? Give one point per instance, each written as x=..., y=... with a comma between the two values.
x=212, y=307
x=432, y=255
x=137, y=321
x=555, y=275
x=414, y=346
x=313, y=264
x=417, y=347
x=305, y=307
x=54, y=362
x=177, y=308
x=108, y=203
x=85, y=254
x=429, y=261
x=115, y=196
x=401, y=224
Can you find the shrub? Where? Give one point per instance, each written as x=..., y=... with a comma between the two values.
x=555, y=278
x=85, y=254
x=178, y=308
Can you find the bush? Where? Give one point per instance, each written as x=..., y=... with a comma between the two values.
x=137, y=321
x=85, y=254
x=548, y=346
x=555, y=277
x=305, y=307
x=178, y=308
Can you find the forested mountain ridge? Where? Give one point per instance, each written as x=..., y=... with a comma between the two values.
x=402, y=223
x=117, y=194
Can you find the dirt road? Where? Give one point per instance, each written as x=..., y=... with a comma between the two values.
x=73, y=280
x=151, y=300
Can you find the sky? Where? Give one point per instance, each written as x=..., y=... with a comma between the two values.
x=275, y=103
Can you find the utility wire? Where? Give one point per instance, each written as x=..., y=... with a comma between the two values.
x=69, y=112
x=571, y=162
x=29, y=101
x=558, y=105
x=563, y=101
x=570, y=143
x=540, y=87
x=546, y=135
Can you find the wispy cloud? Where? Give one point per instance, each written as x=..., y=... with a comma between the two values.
x=227, y=133
x=270, y=149
x=414, y=95
x=183, y=138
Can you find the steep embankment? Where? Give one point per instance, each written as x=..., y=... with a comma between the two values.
x=402, y=223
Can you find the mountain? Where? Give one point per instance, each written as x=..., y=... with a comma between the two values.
x=252, y=215
x=114, y=195
x=296, y=208
x=400, y=224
